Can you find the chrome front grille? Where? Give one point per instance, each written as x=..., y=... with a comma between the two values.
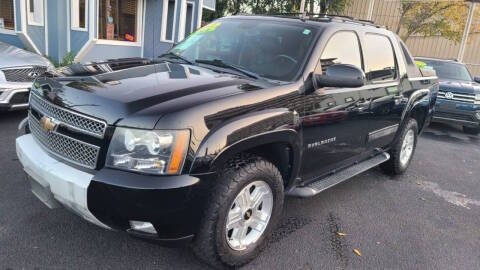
x=25, y=74
x=67, y=139
x=65, y=147
x=73, y=120
x=469, y=98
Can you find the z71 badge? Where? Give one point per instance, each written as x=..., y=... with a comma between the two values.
x=320, y=143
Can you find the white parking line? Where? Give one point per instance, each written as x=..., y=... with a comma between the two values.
x=452, y=197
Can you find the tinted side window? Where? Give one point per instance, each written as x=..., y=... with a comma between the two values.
x=342, y=48
x=412, y=69
x=379, y=58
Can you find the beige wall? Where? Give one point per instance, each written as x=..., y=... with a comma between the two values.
x=386, y=12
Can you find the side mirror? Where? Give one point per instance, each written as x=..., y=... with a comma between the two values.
x=477, y=79
x=340, y=75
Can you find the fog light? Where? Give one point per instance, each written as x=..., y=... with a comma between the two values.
x=478, y=115
x=142, y=226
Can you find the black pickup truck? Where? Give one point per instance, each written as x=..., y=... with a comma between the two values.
x=201, y=145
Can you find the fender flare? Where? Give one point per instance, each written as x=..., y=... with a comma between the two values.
x=216, y=149
x=415, y=102
x=288, y=137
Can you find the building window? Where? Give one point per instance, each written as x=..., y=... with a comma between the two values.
x=168, y=20
x=189, y=19
x=7, y=17
x=79, y=14
x=35, y=12
x=119, y=20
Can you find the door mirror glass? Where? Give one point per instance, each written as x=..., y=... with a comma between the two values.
x=341, y=75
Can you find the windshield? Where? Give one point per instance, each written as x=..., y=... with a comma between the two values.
x=447, y=70
x=271, y=50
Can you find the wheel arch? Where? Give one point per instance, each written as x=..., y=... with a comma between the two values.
x=281, y=147
x=417, y=108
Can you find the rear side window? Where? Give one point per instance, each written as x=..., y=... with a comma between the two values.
x=342, y=48
x=412, y=69
x=379, y=58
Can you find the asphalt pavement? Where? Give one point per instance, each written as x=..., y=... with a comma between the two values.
x=428, y=218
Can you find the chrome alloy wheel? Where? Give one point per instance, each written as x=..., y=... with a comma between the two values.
x=407, y=147
x=248, y=216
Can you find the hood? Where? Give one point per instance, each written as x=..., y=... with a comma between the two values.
x=461, y=87
x=138, y=96
x=13, y=57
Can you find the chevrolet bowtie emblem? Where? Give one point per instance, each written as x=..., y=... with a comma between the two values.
x=48, y=124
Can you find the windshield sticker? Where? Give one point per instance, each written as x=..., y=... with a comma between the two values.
x=209, y=28
x=307, y=32
x=421, y=64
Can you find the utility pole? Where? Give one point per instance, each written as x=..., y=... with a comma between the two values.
x=371, y=5
x=302, y=6
x=463, y=44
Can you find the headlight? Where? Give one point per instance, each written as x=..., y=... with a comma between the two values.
x=149, y=151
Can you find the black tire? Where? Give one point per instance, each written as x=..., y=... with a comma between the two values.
x=210, y=245
x=471, y=130
x=394, y=166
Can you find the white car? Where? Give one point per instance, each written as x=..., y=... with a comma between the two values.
x=18, y=69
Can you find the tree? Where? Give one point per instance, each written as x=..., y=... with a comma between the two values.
x=232, y=7
x=333, y=6
x=429, y=18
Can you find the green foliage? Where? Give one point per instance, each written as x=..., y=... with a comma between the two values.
x=232, y=7
x=430, y=18
x=68, y=59
x=334, y=7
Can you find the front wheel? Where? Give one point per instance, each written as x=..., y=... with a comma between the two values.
x=402, y=151
x=242, y=213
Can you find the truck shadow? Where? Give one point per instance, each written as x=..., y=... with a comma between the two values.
x=11, y=117
x=449, y=133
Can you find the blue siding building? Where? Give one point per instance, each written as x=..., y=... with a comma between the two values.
x=94, y=30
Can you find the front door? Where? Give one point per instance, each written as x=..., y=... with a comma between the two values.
x=335, y=118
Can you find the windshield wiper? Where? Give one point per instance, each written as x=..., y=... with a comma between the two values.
x=221, y=64
x=176, y=56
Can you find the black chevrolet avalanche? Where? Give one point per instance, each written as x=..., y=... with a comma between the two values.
x=201, y=145
x=458, y=99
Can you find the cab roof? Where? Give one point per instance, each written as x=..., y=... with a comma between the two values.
x=315, y=19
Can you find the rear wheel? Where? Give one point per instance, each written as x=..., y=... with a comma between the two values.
x=471, y=130
x=402, y=151
x=242, y=213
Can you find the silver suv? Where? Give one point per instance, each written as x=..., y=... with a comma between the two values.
x=18, y=69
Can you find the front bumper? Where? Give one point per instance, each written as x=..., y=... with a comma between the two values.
x=15, y=97
x=457, y=112
x=53, y=179
x=112, y=198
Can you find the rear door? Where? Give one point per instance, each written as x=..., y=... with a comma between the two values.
x=334, y=120
x=386, y=103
